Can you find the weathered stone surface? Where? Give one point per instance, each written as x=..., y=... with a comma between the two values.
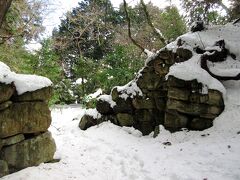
x=161, y=67
x=160, y=103
x=3, y=168
x=175, y=121
x=25, y=117
x=114, y=94
x=1, y=144
x=6, y=91
x=173, y=102
x=12, y=140
x=183, y=54
x=147, y=120
x=43, y=94
x=125, y=119
x=123, y=106
x=201, y=123
x=179, y=94
x=179, y=83
x=150, y=81
x=143, y=103
x=168, y=56
x=104, y=107
x=30, y=152
x=111, y=118
x=5, y=105
x=212, y=98
x=157, y=94
x=146, y=127
x=192, y=108
x=144, y=115
x=86, y=122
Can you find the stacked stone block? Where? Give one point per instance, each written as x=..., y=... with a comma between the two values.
x=24, y=121
x=172, y=102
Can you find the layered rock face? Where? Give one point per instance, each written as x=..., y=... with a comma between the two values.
x=180, y=86
x=151, y=99
x=24, y=121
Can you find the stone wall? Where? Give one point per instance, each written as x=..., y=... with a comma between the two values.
x=174, y=103
x=24, y=121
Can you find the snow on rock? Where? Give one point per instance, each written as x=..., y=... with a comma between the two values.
x=206, y=40
x=191, y=69
x=95, y=94
x=23, y=82
x=149, y=53
x=131, y=89
x=107, y=98
x=230, y=67
x=93, y=112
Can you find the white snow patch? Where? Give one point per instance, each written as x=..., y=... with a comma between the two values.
x=149, y=53
x=23, y=82
x=107, y=98
x=80, y=81
x=95, y=94
x=206, y=39
x=129, y=90
x=229, y=67
x=191, y=69
x=93, y=112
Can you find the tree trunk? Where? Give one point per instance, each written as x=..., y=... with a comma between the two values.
x=4, y=6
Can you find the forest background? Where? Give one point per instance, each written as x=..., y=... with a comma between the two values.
x=91, y=49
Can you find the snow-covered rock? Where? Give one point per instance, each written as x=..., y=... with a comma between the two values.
x=180, y=85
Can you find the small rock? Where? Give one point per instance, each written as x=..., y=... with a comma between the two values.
x=167, y=143
x=204, y=135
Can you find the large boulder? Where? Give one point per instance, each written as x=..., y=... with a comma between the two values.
x=30, y=152
x=24, y=117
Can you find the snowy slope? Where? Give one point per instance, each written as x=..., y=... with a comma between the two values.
x=109, y=152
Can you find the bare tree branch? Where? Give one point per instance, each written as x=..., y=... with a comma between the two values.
x=129, y=27
x=155, y=30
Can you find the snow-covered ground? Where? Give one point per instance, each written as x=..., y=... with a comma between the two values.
x=109, y=152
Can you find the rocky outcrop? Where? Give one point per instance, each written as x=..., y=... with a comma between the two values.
x=24, y=122
x=180, y=86
x=151, y=99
